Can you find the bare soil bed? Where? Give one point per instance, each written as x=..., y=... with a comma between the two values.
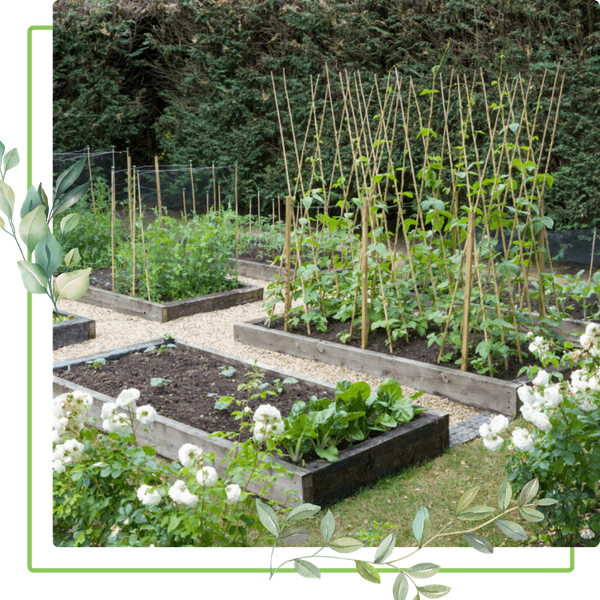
x=415, y=349
x=195, y=383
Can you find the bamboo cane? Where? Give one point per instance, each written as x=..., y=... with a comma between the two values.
x=91, y=179
x=158, y=194
x=468, y=283
x=112, y=225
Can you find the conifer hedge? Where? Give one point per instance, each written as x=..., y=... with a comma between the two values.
x=191, y=80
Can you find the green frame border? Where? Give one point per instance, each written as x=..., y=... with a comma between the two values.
x=30, y=568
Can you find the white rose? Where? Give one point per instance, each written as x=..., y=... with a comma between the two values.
x=128, y=398
x=233, y=492
x=146, y=414
x=541, y=420
x=522, y=439
x=541, y=378
x=189, y=455
x=146, y=497
x=493, y=443
x=207, y=476
x=498, y=424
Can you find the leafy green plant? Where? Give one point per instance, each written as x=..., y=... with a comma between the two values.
x=286, y=531
x=34, y=231
x=352, y=416
x=96, y=364
x=561, y=450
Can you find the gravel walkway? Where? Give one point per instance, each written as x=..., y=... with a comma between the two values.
x=215, y=330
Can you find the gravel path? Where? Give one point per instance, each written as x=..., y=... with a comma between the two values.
x=215, y=330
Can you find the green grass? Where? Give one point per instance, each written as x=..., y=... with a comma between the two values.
x=389, y=506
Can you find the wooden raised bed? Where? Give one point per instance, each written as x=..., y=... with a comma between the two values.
x=155, y=311
x=256, y=270
x=319, y=482
x=483, y=392
x=75, y=330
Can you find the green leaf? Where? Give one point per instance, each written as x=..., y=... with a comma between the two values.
x=34, y=277
x=434, y=590
x=72, y=285
x=546, y=502
x=304, y=511
x=7, y=199
x=330, y=454
x=467, y=498
x=327, y=526
x=528, y=492
x=11, y=159
x=385, y=549
x=68, y=177
x=33, y=227
x=511, y=529
x=532, y=515
x=400, y=587
x=421, y=525
x=3, y=224
x=307, y=569
x=295, y=536
x=72, y=258
x=69, y=222
x=345, y=545
x=268, y=517
x=149, y=450
x=475, y=513
x=504, y=495
x=479, y=543
x=173, y=522
x=70, y=198
x=423, y=570
x=223, y=403
x=2, y=149
x=48, y=254
x=367, y=571
x=32, y=200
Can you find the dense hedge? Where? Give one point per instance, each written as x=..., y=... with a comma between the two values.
x=191, y=80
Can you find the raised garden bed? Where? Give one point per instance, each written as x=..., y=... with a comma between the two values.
x=487, y=393
x=259, y=270
x=168, y=311
x=74, y=330
x=319, y=481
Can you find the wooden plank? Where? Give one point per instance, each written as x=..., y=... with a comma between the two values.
x=256, y=270
x=467, y=388
x=318, y=482
x=74, y=331
x=163, y=312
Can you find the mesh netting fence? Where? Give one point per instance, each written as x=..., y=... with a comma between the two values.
x=200, y=188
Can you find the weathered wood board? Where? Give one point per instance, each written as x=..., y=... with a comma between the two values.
x=487, y=393
x=168, y=311
x=74, y=331
x=319, y=482
x=256, y=270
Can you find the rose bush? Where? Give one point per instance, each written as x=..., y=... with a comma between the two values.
x=562, y=449
x=111, y=491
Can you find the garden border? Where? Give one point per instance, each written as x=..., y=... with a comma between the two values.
x=256, y=270
x=168, y=311
x=482, y=392
x=319, y=482
x=74, y=331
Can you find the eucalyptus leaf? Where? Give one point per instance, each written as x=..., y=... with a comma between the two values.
x=7, y=199
x=11, y=159
x=70, y=198
x=385, y=549
x=475, y=513
x=400, y=587
x=34, y=277
x=69, y=222
x=3, y=224
x=421, y=525
x=72, y=285
x=68, y=177
x=295, y=537
x=327, y=526
x=72, y=258
x=345, y=545
x=367, y=571
x=268, y=517
x=547, y=502
x=531, y=515
x=33, y=227
x=48, y=254
x=2, y=149
x=434, y=590
x=423, y=570
x=479, y=543
x=32, y=200
x=528, y=492
x=504, y=495
x=304, y=511
x=307, y=569
x=467, y=498
x=511, y=529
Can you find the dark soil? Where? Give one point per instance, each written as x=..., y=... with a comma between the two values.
x=196, y=384
x=415, y=349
